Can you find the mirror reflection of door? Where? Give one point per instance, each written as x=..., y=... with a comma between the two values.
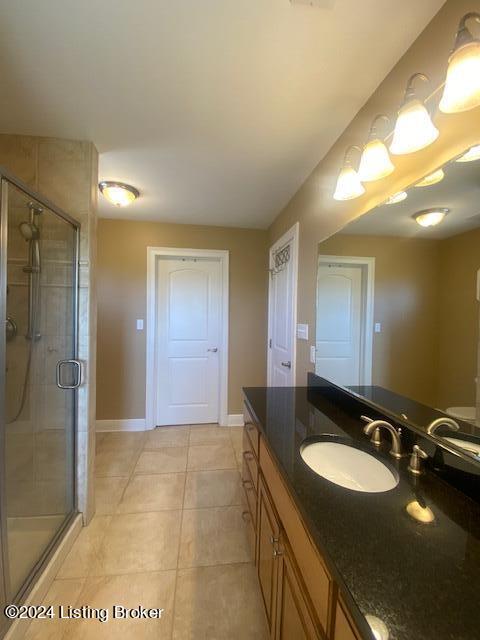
x=343, y=329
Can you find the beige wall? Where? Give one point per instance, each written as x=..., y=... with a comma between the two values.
x=458, y=315
x=406, y=304
x=122, y=274
x=65, y=171
x=313, y=206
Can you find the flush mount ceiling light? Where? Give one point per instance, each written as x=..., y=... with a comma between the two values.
x=472, y=154
x=462, y=86
x=430, y=217
x=414, y=129
x=432, y=178
x=118, y=193
x=348, y=183
x=375, y=162
x=397, y=197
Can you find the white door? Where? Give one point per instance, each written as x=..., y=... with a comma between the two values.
x=282, y=311
x=339, y=324
x=188, y=314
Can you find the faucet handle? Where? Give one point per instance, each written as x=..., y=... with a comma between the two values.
x=415, y=465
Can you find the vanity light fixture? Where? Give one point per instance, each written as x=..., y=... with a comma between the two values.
x=472, y=154
x=430, y=217
x=375, y=162
x=397, y=197
x=348, y=183
x=422, y=514
x=118, y=193
x=378, y=627
x=462, y=86
x=432, y=178
x=414, y=129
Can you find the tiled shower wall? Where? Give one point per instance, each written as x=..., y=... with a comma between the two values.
x=66, y=172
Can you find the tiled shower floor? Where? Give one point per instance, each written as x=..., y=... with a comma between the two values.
x=167, y=533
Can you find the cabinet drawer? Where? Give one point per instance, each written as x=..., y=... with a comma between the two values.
x=250, y=492
x=250, y=458
x=251, y=430
x=315, y=576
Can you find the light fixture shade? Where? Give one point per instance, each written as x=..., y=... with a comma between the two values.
x=432, y=178
x=472, y=154
x=348, y=185
x=119, y=193
x=462, y=86
x=414, y=129
x=397, y=197
x=430, y=217
x=375, y=162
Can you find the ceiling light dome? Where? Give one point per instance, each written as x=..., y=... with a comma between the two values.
x=375, y=162
x=432, y=178
x=430, y=217
x=348, y=183
x=118, y=193
x=462, y=86
x=414, y=129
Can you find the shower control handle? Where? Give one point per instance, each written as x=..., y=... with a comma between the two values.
x=78, y=377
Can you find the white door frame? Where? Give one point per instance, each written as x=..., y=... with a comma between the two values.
x=368, y=296
x=291, y=235
x=153, y=253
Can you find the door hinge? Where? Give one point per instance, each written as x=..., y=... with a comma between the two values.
x=270, y=343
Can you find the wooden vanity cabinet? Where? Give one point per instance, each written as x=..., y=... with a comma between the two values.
x=300, y=597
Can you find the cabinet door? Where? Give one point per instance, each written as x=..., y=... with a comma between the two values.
x=268, y=533
x=293, y=615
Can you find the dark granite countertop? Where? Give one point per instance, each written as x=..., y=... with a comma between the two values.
x=422, y=580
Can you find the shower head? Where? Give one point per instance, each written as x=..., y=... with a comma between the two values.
x=29, y=231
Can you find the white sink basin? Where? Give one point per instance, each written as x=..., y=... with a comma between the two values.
x=348, y=467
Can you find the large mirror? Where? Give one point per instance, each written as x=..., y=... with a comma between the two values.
x=398, y=310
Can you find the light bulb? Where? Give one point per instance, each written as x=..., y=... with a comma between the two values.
x=375, y=162
x=462, y=85
x=432, y=178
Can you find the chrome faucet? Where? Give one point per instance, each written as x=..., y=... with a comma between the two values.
x=373, y=429
x=440, y=422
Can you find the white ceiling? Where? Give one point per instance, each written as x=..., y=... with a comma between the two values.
x=217, y=110
x=459, y=191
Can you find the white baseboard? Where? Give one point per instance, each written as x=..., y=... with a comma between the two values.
x=235, y=420
x=134, y=424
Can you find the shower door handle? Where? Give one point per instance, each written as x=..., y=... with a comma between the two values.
x=77, y=377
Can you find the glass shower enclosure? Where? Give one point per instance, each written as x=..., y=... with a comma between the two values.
x=39, y=373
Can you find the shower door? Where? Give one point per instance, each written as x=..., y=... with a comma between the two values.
x=39, y=348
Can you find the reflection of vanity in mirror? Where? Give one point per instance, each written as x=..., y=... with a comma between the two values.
x=398, y=310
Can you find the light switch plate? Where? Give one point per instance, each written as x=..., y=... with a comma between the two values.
x=302, y=331
x=378, y=327
x=140, y=324
x=313, y=354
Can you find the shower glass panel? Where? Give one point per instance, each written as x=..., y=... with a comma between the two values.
x=39, y=413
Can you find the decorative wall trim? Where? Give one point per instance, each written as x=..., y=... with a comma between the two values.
x=134, y=424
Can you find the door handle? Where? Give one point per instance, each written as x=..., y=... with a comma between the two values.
x=78, y=378
x=213, y=350
x=287, y=364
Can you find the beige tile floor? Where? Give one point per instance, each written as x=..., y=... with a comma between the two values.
x=167, y=533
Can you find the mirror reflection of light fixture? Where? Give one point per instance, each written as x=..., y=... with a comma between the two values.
x=462, y=86
x=348, y=183
x=375, y=162
x=422, y=514
x=430, y=217
x=472, y=154
x=378, y=627
x=397, y=197
x=118, y=193
x=432, y=178
x=414, y=129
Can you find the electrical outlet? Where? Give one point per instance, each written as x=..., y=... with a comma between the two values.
x=378, y=327
x=140, y=324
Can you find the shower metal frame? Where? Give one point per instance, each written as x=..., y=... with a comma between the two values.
x=6, y=596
